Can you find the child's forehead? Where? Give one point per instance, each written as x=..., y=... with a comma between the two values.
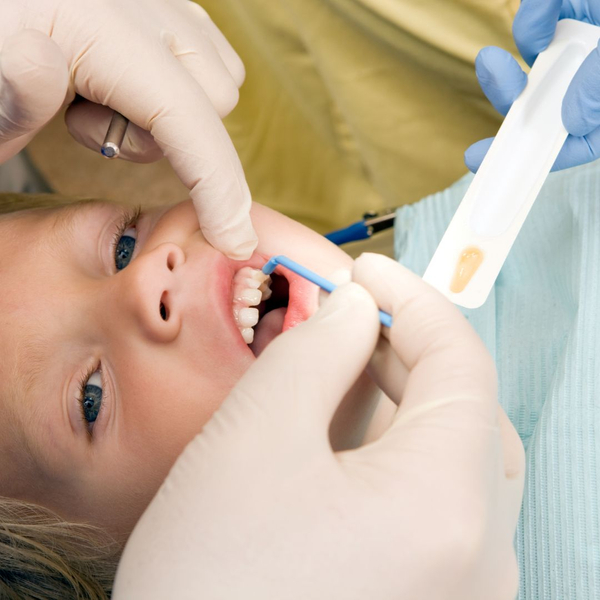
x=44, y=215
x=24, y=232
x=21, y=204
x=30, y=242
x=20, y=354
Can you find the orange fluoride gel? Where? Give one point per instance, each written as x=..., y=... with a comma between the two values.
x=470, y=260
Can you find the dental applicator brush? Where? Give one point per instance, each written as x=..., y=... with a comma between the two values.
x=324, y=284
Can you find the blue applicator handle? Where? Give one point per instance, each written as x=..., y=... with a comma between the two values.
x=353, y=233
x=372, y=222
x=325, y=284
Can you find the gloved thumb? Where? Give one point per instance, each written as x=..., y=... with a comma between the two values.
x=299, y=380
x=581, y=106
x=500, y=77
x=33, y=85
x=475, y=154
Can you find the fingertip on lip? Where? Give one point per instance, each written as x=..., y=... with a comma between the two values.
x=245, y=250
x=239, y=256
x=234, y=251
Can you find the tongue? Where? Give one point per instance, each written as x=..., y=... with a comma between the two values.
x=268, y=328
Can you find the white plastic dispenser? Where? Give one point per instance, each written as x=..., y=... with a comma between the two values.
x=487, y=222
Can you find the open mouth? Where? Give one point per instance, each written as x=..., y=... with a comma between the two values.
x=272, y=313
x=260, y=304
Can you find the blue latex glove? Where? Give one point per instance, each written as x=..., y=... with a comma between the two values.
x=502, y=79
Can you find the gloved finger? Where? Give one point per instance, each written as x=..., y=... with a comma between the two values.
x=581, y=106
x=12, y=147
x=429, y=334
x=187, y=128
x=475, y=154
x=228, y=55
x=384, y=368
x=208, y=165
x=297, y=383
x=575, y=151
x=33, y=87
x=88, y=122
x=449, y=403
x=534, y=26
x=387, y=370
x=578, y=151
x=500, y=76
x=203, y=62
x=338, y=277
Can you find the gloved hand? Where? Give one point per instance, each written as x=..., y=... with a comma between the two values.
x=258, y=505
x=163, y=64
x=502, y=79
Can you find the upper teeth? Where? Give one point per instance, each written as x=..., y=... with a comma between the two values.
x=250, y=288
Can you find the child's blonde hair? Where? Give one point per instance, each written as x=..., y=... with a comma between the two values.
x=42, y=556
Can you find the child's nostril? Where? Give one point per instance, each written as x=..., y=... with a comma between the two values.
x=163, y=312
x=171, y=261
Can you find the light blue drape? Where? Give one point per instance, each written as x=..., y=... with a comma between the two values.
x=542, y=325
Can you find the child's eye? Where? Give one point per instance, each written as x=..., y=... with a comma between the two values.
x=124, y=248
x=91, y=397
x=125, y=238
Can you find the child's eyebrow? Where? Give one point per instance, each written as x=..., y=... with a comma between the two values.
x=63, y=228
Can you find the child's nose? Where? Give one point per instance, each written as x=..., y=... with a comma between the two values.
x=149, y=289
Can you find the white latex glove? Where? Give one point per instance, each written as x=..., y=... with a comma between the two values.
x=161, y=63
x=259, y=507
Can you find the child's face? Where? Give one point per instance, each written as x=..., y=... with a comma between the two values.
x=67, y=315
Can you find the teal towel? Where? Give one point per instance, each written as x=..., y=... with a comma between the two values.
x=541, y=324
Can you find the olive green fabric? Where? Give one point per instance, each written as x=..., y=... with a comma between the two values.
x=351, y=105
